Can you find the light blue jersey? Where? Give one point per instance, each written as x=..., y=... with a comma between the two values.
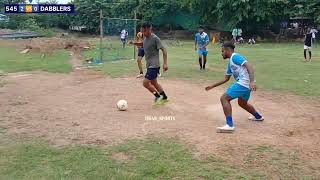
x=238, y=70
x=202, y=39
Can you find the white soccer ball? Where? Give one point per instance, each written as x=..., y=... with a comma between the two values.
x=122, y=105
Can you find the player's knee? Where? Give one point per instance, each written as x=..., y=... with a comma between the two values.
x=154, y=83
x=223, y=98
x=146, y=84
x=242, y=103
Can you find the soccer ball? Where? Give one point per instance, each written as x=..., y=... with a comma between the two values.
x=122, y=105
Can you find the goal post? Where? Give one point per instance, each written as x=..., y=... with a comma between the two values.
x=110, y=45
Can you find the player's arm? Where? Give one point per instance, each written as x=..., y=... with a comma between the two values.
x=195, y=44
x=136, y=43
x=165, y=58
x=226, y=79
x=164, y=53
x=251, y=75
x=205, y=45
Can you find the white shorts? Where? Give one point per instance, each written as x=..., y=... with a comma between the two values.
x=307, y=47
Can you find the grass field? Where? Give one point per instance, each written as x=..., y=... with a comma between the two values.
x=278, y=66
x=12, y=61
x=152, y=158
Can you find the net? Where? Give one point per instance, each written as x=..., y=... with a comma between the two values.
x=113, y=49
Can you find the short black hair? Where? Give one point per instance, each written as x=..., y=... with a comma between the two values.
x=200, y=27
x=146, y=25
x=229, y=45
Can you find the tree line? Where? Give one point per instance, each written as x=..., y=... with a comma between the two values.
x=250, y=15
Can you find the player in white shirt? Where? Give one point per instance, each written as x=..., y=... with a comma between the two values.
x=123, y=37
x=314, y=31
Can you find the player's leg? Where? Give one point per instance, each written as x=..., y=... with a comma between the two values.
x=139, y=61
x=227, y=109
x=150, y=76
x=243, y=102
x=234, y=39
x=305, y=53
x=159, y=89
x=310, y=54
x=147, y=84
x=235, y=91
x=123, y=42
x=204, y=55
x=200, y=59
x=225, y=100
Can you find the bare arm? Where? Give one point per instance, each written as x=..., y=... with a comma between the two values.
x=226, y=79
x=136, y=43
x=205, y=45
x=165, y=59
x=251, y=75
x=195, y=44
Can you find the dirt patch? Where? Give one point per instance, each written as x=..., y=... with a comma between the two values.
x=120, y=157
x=81, y=108
x=48, y=45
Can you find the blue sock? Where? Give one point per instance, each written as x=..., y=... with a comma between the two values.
x=229, y=121
x=257, y=115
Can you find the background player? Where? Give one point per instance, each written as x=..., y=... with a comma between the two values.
x=123, y=37
x=201, y=43
x=140, y=52
x=307, y=45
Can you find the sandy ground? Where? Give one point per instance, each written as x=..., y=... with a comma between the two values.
x=80, y=108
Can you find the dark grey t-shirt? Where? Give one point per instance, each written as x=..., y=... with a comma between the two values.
x=151, y=46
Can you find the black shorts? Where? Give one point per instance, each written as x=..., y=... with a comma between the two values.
x=152, y=73
x=123, y=40
x=140, y=52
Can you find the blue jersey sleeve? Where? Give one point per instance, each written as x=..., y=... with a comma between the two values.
x=239, y=60
x=229, y=72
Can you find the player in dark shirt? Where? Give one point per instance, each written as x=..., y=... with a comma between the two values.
x=308, y=45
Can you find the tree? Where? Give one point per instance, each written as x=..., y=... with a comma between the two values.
x=88, y=13
x=305, y=8
x=160, y=13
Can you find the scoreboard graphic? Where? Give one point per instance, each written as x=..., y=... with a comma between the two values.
x=39, y=8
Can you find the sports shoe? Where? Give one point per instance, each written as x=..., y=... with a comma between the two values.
x=225, y=129
x=252, y=118
x=163, y=101
x=140, y=76
x=158, y=100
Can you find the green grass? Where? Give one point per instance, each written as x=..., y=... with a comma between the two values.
x=152, y=158
x=111, y=51
x=286, y=165
x=12, y=61
x=278, y=66
x=148, y=159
